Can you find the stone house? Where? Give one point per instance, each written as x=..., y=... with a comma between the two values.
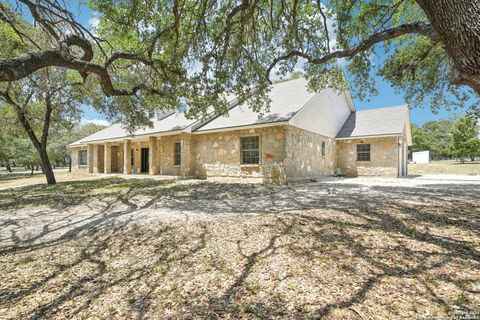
x=305, y=135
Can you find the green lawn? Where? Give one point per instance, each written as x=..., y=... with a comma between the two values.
x=111, y=249
x=445, y=167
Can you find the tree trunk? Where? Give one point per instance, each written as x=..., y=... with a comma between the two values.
x=8, y=167
x=31, y=172
x=458, y=25
x=40, y=145
x=47, y=167
x=69, y=164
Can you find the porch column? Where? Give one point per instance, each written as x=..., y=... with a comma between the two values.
x=90, y=157
x=127, y=165
x=96, y=162
x=153, y=156
x=108, y=157
x=186, y=139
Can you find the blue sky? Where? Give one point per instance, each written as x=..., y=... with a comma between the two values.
x=386, y=96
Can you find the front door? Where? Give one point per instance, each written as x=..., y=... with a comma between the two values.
x=144, y=164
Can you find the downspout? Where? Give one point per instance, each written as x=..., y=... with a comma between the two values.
x=398, y=156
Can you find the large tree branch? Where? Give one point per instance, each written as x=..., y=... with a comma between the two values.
x=325, y=26
x=47, y=119
x=421, y=28
x=20, y=67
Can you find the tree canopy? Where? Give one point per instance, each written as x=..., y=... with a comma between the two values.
x=447, y=138
x=465, y=137
x=152, y=53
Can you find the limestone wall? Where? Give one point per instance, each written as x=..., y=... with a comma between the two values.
x=166, y=150
x=304, y=159
x=75, y=158
x=383, y=157
x=218, y=154
x=287, y=153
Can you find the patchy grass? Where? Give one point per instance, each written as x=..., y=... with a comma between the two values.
x=23, y=178
x=445, y=167
x=81, y=250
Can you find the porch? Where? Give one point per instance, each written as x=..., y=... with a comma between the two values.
x=167, y=156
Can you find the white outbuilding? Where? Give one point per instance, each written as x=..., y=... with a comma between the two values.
x=421, y=157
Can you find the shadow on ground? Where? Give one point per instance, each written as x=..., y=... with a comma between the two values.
x=212, y=250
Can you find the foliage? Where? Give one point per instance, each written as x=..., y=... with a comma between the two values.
x=230, y=45
x=465, y=134
x=446, y=138
x=58, y=148
x=17, y=148
x=441, y=133
x=434, y=136
x=422, y=140
x=154, y=53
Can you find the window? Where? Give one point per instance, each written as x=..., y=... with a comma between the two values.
x=151, y=114
x=82, y=157
x=363, y=152
x=177, y=156
x=323, y=148
x=132, y=157
x=250, y=150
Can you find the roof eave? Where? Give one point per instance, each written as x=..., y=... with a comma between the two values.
x=370, y=136
x=243, y=127
x=135, y=137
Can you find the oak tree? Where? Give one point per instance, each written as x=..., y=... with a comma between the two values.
x=201, y=49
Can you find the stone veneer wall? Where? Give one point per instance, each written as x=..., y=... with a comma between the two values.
x=383, y=157
x=75, y=165
x=303, y=158
x=218, y=154
x=166, y=150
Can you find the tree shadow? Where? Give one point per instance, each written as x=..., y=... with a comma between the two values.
x=317, y=250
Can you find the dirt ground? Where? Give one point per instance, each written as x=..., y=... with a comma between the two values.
x=335, y=249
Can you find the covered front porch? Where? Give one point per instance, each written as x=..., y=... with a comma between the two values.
x=152, y=155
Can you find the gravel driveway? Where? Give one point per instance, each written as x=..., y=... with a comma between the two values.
x=67, y=212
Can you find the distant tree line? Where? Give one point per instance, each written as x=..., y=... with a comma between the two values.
x=448, y=139
x=18, y=151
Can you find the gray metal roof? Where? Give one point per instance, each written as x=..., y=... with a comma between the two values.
x=375, y=122
x=286, y=99
x=172, y=122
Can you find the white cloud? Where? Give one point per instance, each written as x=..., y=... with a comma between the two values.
x=95, y=121
x=93, y=22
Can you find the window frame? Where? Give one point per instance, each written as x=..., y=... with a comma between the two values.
x=258, y=150
x=80, y=152
x=177, y=154
x=364, y=155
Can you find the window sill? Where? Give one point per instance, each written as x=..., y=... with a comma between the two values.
x=250, y=165
x=363, y=161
